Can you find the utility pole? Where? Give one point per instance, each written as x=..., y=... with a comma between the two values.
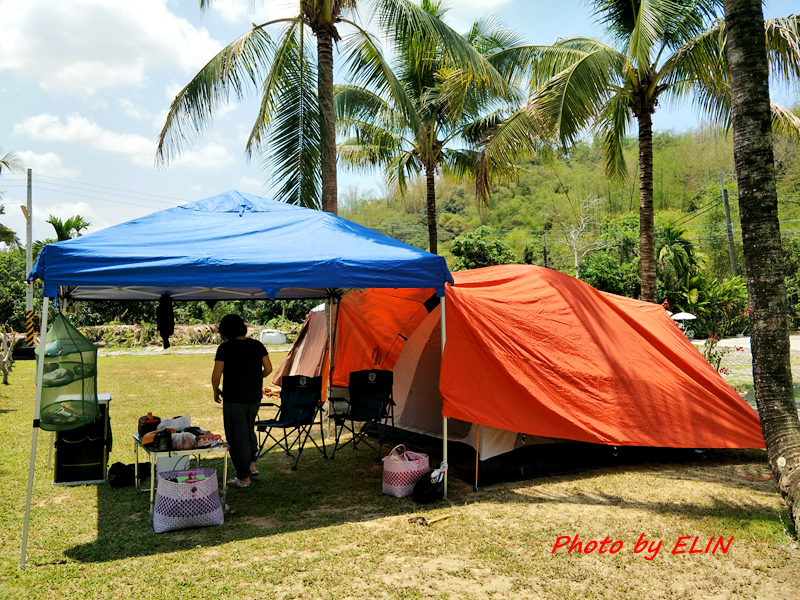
x=544, y=243
x=29, y=327
x=728, y=227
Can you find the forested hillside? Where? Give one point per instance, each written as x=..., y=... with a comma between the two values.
x=545, y=203
x=564, y=213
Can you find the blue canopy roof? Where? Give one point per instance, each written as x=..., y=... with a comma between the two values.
x=233, y=246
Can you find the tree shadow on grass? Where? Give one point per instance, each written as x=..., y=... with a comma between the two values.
x=325, y=493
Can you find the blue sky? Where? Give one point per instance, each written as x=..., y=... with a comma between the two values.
x=85, y=86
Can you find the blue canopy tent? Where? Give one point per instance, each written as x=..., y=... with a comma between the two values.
x=233, y=246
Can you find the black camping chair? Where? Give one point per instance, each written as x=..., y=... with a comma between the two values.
x=371, y=404
x=301, y=402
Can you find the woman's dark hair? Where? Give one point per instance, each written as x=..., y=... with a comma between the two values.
x=232, y=326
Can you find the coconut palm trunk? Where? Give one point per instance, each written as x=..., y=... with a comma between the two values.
x=758, y=208
x=327, y=119
x=647, y=242
x=430, y=203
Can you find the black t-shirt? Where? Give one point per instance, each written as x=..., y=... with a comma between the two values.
x=241, y=377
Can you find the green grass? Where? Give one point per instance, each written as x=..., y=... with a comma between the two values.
x=327, y=531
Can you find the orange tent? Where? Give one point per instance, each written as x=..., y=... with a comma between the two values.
x=534, y=352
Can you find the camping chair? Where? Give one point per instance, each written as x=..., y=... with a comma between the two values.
x=370, y=403
x=301, y=402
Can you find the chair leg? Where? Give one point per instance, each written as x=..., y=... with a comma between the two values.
x=307, y=431
x=338, y=431
x=322, y=437
x=285, y=445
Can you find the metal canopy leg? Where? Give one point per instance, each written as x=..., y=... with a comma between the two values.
x=35, y=434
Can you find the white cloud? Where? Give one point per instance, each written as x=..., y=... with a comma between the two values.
x=139, y=149
x=79, y=130
x=464, y=13
x=251, y=184
x=211, y=157
x=88, y=45
x=133, y=111
x=48, y=164
x=244, y=13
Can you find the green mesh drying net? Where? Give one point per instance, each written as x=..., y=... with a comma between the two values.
x=69, y=383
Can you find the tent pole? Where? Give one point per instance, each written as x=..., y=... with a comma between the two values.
x=477, y=457
x=444, y=419
x=35, y=434
x=329, y=318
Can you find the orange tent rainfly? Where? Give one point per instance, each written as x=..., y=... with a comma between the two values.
x=549, y=355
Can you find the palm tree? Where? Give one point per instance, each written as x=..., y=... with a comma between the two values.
x=294, y=127
x=65, y=230
x=9, y=162
x=416, y=126
x=761, y=236
x=69, y=228
x=676, y=259
x=659, y=50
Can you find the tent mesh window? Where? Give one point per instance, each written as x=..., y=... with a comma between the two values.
x=69, y=382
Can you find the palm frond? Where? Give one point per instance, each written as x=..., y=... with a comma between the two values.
x=571, y=99
x=689, y=19
x=783, y=48
x=375, y=128
x=293, y=152
x=9, y=237
x=367, y=67
x=502, y=146
x=648, y=30
x=403, y=167
x=233, y=69
x=475, y=131
x=488, y=35
x=460, y=164
x=699, y=59
x=548, y=61
x=785, y=121
x=403, y=19
x=355, y=104
x=290, y=56
x=373, y=149
x=11, y=163
x=698, y=69
x=613, y=124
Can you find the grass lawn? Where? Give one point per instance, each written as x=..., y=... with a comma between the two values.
x=327, y=531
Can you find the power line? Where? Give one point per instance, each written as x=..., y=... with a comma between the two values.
x=126, y=192
x=98, y=192
x=81, y=194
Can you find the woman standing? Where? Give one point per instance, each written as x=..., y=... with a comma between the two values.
x=242, y=364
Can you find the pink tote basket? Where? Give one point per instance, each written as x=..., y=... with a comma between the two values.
x=402, y=469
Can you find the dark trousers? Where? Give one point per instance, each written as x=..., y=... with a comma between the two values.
x=240, y=434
